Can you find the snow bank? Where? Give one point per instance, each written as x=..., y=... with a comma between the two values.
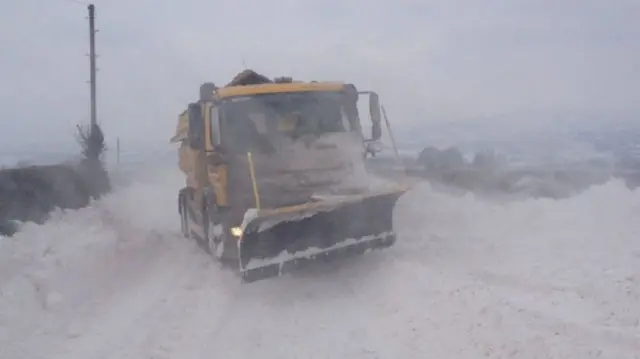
x=62, y=266
x=535, y=278
x=468, y=278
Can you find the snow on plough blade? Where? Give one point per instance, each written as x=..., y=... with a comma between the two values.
x=278, y=241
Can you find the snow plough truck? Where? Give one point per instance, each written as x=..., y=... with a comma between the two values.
x=275, y=174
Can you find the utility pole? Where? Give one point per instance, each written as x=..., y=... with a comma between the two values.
x=92, y=61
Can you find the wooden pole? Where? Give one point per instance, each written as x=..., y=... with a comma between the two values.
x=92, y=63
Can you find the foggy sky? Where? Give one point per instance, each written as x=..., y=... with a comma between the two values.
x=429, y=60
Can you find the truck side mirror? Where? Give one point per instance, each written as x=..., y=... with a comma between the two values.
x=374, y=111
x=196, y=126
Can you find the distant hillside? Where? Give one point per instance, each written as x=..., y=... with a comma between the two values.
x=540, y=138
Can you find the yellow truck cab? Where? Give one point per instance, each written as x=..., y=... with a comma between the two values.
x=259, y=153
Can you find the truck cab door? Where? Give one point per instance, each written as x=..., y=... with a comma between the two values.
x=217, y=166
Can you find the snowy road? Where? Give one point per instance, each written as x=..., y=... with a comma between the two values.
x=467, y=279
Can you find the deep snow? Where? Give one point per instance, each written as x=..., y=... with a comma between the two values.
x=468, y=278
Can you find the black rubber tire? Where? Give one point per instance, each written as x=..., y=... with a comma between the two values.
x=214, y=245
x=206, y=228
x=184, y=215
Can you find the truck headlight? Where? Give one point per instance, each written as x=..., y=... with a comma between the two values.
x=236, y=231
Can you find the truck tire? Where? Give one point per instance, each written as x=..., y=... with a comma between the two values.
x=184, y=215
x=214, y=238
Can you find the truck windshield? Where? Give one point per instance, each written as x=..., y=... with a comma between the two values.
x=256, y=123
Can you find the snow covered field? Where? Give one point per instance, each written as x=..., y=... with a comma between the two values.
x=468, y=279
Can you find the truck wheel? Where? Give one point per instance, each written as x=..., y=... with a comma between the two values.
x=226, y=252
x=214, y=234
x=209, y=231
x=219, y=252
x=184, y=216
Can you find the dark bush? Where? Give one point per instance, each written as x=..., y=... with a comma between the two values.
x=30, y=193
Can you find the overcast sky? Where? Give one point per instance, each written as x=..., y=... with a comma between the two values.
x=429, y=60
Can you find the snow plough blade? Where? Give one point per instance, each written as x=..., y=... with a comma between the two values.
x=280, y=240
